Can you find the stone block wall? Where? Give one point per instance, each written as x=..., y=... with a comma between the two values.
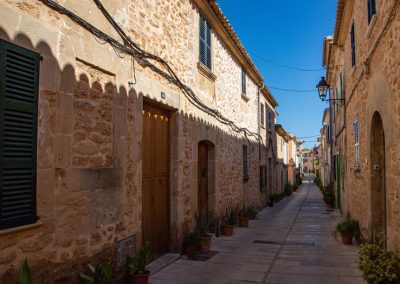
x=89, y=175
x=372, y=88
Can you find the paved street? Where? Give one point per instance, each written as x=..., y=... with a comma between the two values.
x=310, y=253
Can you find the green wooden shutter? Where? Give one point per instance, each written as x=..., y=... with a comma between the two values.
x=205, y=43
x=19, y=83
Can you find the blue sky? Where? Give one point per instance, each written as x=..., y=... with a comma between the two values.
x=289, y=33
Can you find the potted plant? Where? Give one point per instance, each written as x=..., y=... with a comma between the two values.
x=137, y=269
x=244, y=215
x=190, y=244
x=254, y=212
x=231, y=218
x=377, y=264
x=329, y=196
x=347, y=230
x=99, y=274
x=205, y=237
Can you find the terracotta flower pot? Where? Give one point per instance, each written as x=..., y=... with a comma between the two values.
x=205, y=244
x=190, y=250
x=244, y=222
x=140, y=278
x=227, y=230
x=347, y=239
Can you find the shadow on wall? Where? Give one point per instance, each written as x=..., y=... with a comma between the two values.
x=89, y=176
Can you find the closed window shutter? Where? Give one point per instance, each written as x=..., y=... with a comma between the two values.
x=205, y=43
x=262, y=114
x=371, y=9
x=353, y=45
x=19, y=80
x=356, y=144
x=208, y=46
x=243, y=81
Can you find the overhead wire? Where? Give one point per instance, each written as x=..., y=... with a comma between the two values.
x=286, y=66
x=142, y=57
x=291, y=90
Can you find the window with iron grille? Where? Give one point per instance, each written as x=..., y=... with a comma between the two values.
x=262, y=114
x=269, y=120
x=263, y=178
x=243, y=82
x=356, y=144
x=353, y=45
x=205, y=43
x=19, y=84
x=371, y=9
x=245, y=162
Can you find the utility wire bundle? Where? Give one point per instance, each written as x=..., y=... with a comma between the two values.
x=142, y=57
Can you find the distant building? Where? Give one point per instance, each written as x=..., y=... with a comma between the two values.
x=283, y=158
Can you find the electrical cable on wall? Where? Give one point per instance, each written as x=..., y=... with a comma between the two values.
x=142, y=57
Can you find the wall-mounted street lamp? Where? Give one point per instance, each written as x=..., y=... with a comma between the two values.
x=324, y=91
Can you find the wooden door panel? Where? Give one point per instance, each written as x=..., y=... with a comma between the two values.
x=147, y=144
x=203, y=181
x=155, y=146
x=147, y=210
x=161, y=211
x=161, y=145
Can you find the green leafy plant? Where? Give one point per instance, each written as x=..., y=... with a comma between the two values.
x=350, y=226
x=99, y=274
x=329, y=195
x=231, y=214
x=377, y=264
x=138, y=267
x=288, y=190
x=25, y=275
x=246, y=211
x=192, y=239
x=202, y=225
x=253, y=211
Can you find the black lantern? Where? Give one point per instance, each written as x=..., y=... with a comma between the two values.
x=323, y=89
x=324, y=92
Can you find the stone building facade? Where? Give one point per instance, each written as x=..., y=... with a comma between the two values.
x=283, y=157
x=125, y=152
x=363, y=70
x=326, y=150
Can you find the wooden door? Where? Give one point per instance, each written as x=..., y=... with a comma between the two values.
x=203, y=181
x=155, y=182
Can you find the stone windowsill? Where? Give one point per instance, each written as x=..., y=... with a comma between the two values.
x=245, y=97
x=371, y=25
x=21, y=228
x=206, y=72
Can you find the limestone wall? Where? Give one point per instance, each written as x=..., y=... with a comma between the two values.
x=372, y=89
x=89, y=175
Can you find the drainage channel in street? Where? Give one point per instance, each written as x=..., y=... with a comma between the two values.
x=285, y=243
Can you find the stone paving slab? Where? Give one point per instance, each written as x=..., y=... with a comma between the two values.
x=299, y=218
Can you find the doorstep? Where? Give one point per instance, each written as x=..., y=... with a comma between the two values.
x=162, y=262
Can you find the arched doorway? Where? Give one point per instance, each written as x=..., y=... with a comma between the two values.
x=378, y=177
x=206, y=179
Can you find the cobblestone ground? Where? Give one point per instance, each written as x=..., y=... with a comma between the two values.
x=310, y=254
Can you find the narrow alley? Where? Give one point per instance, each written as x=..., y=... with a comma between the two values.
x=292, y=242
